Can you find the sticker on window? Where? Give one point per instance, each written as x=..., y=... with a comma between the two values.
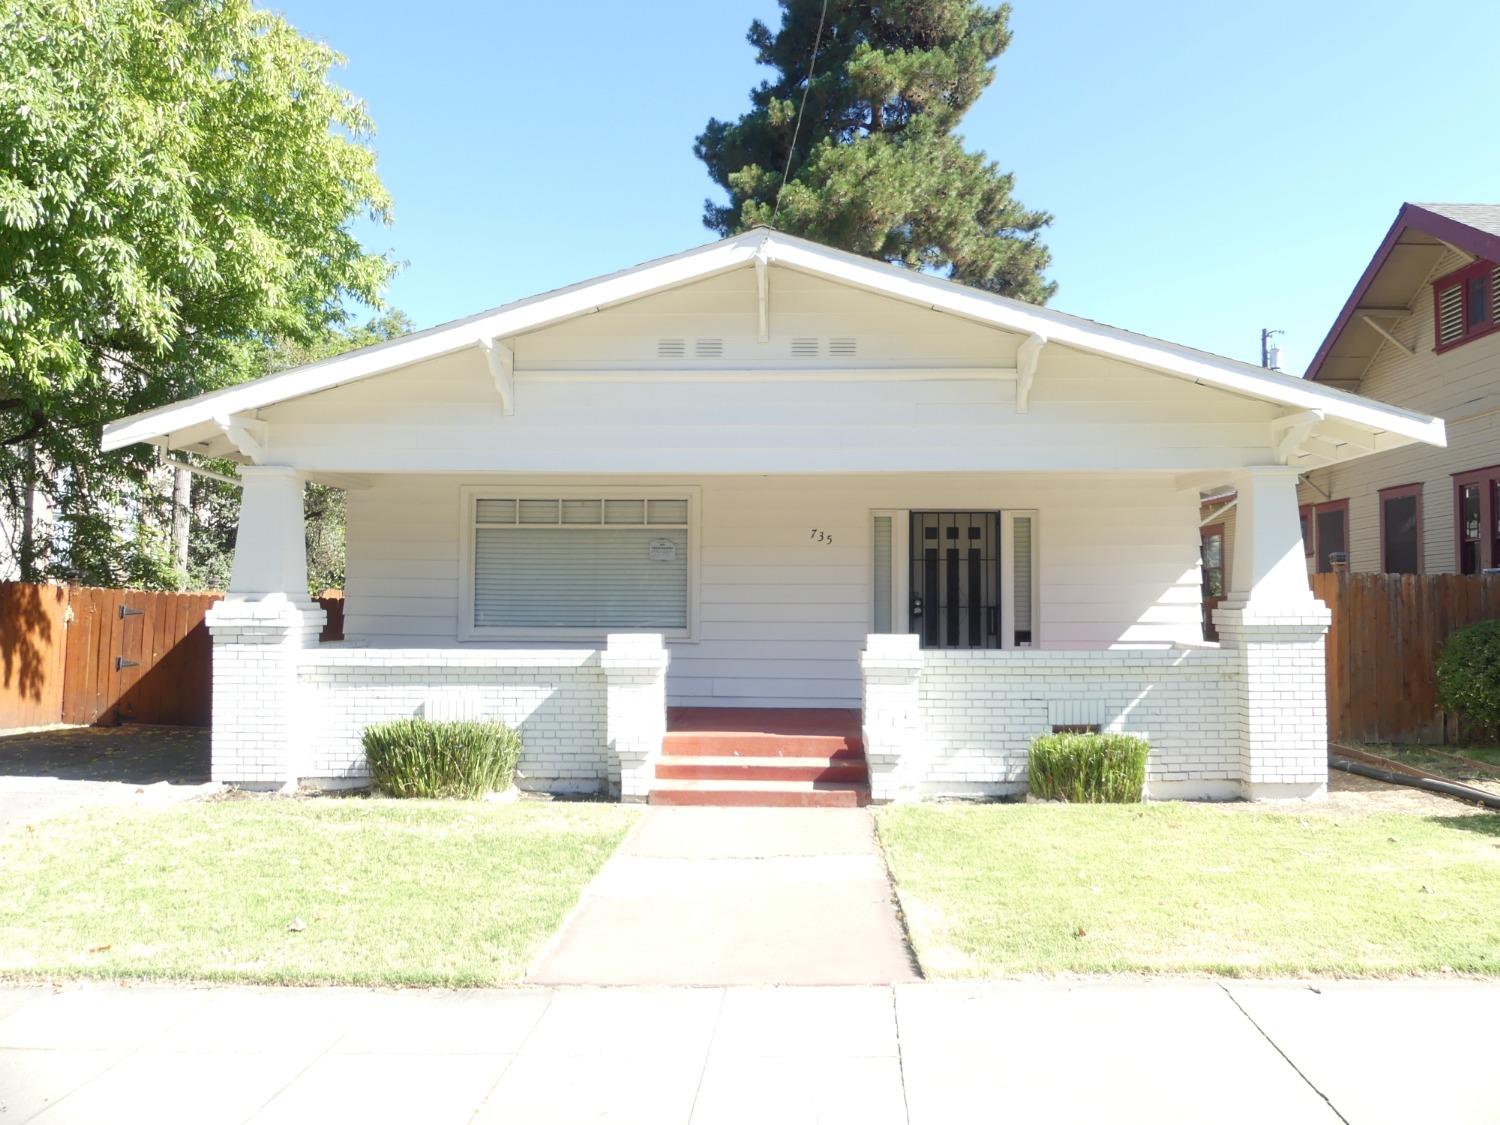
x=661, y=550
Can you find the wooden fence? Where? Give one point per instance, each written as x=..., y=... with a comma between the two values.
x=75, y=654
x=1383, y=646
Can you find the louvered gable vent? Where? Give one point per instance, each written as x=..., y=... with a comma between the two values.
x=708, y=348
x=841, y=346
x=804, y=346
x=1450, y=314
x=671, y=348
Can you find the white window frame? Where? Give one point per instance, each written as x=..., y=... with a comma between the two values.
x=1008, y=585
x=900, y=570
x=470, y=494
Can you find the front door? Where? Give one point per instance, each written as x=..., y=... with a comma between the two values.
x=955, y=579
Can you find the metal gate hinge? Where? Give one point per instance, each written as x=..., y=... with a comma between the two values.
x=130, y=611
x=121, y=663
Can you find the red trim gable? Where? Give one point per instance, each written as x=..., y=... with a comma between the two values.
x=1411, y=217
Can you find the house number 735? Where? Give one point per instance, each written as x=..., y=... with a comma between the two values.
x=820, y=536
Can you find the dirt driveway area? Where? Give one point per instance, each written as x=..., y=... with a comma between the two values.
x=60, y=769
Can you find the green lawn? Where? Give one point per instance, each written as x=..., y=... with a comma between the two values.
x=1010, y=889
x=388, y=892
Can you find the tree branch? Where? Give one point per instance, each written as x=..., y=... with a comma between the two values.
x=38, y=422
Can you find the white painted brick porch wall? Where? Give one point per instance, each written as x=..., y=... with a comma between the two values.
x=980, y=709
x=555, y=698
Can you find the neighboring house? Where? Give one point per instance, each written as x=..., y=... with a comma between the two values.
x=780, y=479
x=1419, y=331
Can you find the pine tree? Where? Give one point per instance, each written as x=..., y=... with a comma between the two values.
x=877, y=168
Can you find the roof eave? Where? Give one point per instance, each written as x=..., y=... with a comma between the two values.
x=1481, y=244
x=795, y=253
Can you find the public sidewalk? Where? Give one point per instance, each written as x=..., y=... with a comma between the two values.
x=1168, y=1051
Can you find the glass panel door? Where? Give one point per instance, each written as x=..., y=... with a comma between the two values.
x=955, y=579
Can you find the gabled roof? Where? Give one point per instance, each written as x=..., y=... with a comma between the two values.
x=1392, y=282
x=787, y=251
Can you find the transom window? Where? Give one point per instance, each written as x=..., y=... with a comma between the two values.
x=1466, y=304
x=571, y=564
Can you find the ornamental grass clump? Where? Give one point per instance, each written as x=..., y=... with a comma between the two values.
x=1088, y=768
x=421, y=758
x=1468, y=677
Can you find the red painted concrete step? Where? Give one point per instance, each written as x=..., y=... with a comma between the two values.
x=761, y=794
x=803, y=758
x=717, y=768
x=763, y=732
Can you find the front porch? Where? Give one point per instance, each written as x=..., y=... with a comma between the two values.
x=895, y=670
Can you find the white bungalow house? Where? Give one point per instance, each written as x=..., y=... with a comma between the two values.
x=767, y=488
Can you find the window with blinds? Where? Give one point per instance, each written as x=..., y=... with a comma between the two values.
x=581, y=563
x=1466, y=304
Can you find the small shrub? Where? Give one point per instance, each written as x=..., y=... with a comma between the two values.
x=420, y=758
x=1088, y=768
x=1468, y=676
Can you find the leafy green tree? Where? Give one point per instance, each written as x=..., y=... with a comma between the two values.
x=178, y=180
x=877, y=168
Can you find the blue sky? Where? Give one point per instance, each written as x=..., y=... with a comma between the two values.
x=1213, y=168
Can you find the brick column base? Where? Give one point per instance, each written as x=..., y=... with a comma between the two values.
x=891, y=667
x=257, y=727
x=635, y=675
x=1282, y=710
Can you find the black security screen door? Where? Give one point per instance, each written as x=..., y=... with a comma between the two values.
x=955, y=579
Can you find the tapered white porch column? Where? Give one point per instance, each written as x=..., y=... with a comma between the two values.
x=258, y=630
x=1272, y=619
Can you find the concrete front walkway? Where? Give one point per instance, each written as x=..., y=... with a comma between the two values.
x=1185, y=1051
x=721, y=896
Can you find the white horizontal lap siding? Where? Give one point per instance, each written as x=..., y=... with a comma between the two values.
x=1085, y=411
x=784, y=617
x=1462, y=385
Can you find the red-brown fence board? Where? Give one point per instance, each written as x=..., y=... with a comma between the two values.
x=33, y=652
x=68, y=655
x=1383, y=644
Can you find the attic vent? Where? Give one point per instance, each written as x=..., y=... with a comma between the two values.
x=841, y=345
x=1495, y=294
x=804, y=346
x=671, y=349
x=1450, y=314
x=705, y=348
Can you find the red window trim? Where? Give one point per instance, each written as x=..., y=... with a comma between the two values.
x=1397, y=492
x=1313, y=511
x=1484, y=478
x=1217, y=529
x=1461, y=277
